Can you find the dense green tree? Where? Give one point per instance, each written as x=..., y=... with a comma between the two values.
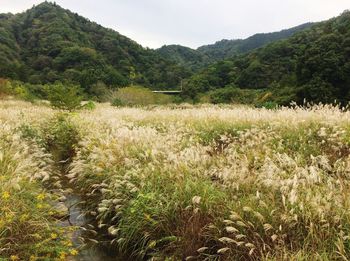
x=64, y=97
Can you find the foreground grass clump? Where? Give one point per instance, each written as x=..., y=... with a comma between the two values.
x=218, y=182
x=28, y=229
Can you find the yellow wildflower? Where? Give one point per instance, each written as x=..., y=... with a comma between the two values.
x=54, y=236
x=62, y=256
x=14, y=258
x=74, y=252
x=41, y=196
x=24, y=217
x=37, y=236
x=9, y=217
x=5, y=195
x=68, y=243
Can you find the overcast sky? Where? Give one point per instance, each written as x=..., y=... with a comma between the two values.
x=193, y=23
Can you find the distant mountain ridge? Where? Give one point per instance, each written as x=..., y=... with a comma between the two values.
x=199, y=58
x=227, y=48
x=313, y=64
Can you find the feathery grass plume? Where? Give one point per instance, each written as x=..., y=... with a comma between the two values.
x=204, y=182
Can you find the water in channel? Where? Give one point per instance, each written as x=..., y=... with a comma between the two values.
x=76, y=218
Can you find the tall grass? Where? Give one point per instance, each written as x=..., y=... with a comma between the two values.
x=218, y=182
x=28, y=227
x=30, y=186
x=195, y=183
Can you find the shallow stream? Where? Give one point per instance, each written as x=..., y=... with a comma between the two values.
x=76, y=218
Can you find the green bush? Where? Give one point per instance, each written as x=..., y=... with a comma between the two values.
x=4, y=87
x=99, y=92
x=90, y=105
x=136, y=95
x=118, y=103
x=60, y=137
x=16, y=89
x=64, y=97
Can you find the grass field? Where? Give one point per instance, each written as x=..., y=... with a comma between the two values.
x=178, y=183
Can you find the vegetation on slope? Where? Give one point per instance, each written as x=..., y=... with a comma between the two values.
x=224, y=49
x=185, y=56
x=48, y=43
x=313, y=65
x=228, y=48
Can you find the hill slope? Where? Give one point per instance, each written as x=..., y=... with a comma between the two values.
x=313, y=64
x=48, y=43
x=227, y=48
x=224, y=49
x=185, y=56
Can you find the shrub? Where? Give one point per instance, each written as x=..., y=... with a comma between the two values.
x=118, y=103
x=99, y=92
x=4, y=87
x=16, y=89
x=60, y=137
x=64, y=97
x=136, y=95
x=90, y=105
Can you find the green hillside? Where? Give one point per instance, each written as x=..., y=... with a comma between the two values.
x=48, y=43
x=185, y=56
x=313, y=64
x=208, y=54
x=228, y=48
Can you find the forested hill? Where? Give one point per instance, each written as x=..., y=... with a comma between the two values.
x=48, y=43
x=196, y=59
x=185, y=56
x=228, y=48
x=313, y=64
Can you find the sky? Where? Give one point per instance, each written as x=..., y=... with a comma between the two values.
x=192, y=23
